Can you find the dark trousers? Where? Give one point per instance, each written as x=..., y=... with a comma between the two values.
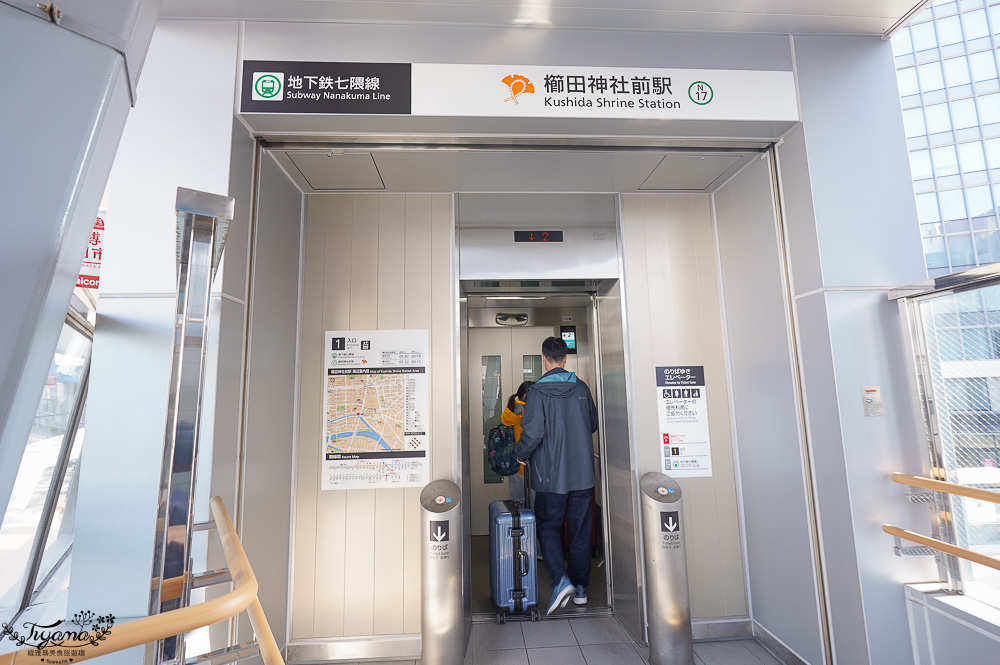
x=550, y=509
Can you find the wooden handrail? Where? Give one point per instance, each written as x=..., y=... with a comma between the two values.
x=186, y=619
x=940, y=545
x=947, y=488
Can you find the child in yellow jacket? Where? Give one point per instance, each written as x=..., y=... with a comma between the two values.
x=511, y=417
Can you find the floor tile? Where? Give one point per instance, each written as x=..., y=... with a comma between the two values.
x=733, y=652
x=762, y=653
x=554, y=633
x=503, y=657
x=556, y=656
x=611, y=654
x=643, y=653
x=493, y=637
x=603, y=630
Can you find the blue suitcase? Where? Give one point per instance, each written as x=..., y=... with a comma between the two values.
x=513, y=577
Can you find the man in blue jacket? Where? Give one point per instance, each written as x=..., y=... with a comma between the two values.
x=559, y=420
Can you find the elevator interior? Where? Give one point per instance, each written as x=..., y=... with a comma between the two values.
x=507, y=323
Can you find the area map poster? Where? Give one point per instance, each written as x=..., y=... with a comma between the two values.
x=683, y=417
x=376, y=409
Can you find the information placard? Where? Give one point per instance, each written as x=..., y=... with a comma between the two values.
x=683, y=415
x=375, y=417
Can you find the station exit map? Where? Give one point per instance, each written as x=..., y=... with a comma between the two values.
x=376, y=409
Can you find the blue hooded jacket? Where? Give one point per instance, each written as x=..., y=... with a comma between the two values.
x=559, y=420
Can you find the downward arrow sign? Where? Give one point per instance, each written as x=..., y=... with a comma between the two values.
x=439, y=536
x=670, y=524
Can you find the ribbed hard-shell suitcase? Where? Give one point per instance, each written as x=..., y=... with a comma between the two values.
x=513, y=577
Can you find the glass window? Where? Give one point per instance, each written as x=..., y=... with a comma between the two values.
x=949, y=344
x=956, y=71
x=920, y=164
x=933, y=229
x=952, y=204
x=938, y=118
x=960, y=252
x=913, y=121
x=976, y=343
x=532, y=368
x=23, y=517
x=993, y=153
x=907, y=80
x=934, y=253
x=923, y=36
x=989, y=108
x=963, y=114
x=983, y=66
x=995, y=18
x=931, y=77
x=945, y=161
x=987, y=247
x=974, y=24
x=901, y=44
x=970, y=155
x=927, y=208
x=979, y=201
x=949, y=30
x=968, y=394
x=494, y=402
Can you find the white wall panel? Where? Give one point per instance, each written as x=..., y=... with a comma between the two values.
x=384, y=262
x=674, y=319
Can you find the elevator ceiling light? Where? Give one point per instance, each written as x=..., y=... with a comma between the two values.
x=512, y=319
x=515, y=297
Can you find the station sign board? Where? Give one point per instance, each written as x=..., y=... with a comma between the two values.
x=529, y=91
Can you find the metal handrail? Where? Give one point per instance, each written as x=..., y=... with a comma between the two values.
x=947, y=488
x=941, y=546
x=176, y=622
x=934, y=543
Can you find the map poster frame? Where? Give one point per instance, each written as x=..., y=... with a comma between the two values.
x=682, y=408
x=376, y=409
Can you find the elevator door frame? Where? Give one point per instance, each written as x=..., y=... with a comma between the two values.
x=600, y=287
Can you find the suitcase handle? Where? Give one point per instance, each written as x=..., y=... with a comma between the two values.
x=525, y=565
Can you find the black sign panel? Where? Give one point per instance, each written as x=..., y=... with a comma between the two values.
x=693, y=375
x=325, y=87
x=670, y=522
x=440, y=531
x=568, y=334
x=538, y=236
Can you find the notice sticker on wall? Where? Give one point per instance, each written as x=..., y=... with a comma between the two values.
x=683, y=417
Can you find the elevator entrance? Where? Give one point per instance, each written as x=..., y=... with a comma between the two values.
x=505, y=337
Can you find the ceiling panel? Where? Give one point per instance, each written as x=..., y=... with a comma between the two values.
x=335, y=171
x=765, y=16
x=483, y=170
x=690, y=172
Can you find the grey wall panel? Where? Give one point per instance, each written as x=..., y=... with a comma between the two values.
x=866, y=346
x=858, y=163
x=777, y=527
x=269, y=418
x=800, y=222
x=71, y=149
x=840, y=562
x=411, y=43
x=620, y=466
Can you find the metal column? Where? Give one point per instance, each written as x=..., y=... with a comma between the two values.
x=202, y=224
x=442, y=612
x=667, y=600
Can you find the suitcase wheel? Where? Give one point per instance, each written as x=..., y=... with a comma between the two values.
x=501, y=618
x=535, y=616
